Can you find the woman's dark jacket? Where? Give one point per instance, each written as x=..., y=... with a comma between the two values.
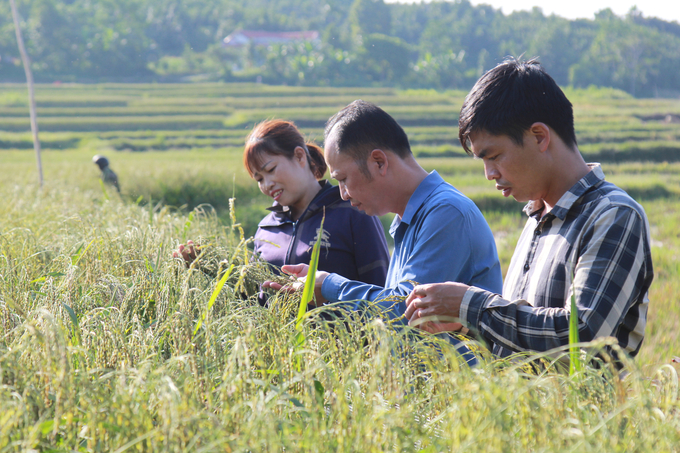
x=352, y=244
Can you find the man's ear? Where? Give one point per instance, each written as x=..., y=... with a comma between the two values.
x=540, y=134
x=378, y=160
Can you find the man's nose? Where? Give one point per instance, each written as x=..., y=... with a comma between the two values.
x=490, y=172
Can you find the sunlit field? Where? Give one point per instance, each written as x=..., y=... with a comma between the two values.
x=108, y=344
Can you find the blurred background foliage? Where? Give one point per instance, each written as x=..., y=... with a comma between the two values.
x=442, y=45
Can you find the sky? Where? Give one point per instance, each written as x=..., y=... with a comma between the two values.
x=668, y=10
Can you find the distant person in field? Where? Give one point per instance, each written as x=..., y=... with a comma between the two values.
x=582, y=233
x=107, y=175
x=439, y=234
x=290, y=171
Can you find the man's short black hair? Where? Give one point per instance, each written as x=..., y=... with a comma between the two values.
x=362, y=127
x=511, y=97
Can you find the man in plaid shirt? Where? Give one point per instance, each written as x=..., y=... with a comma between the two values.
x=583, y=233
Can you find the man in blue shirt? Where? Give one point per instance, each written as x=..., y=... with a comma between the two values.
x=439, y=234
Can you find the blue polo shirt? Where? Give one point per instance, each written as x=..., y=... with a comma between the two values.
x=441, y=237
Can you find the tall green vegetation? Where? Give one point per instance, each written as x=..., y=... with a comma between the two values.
x=444, y=45
x=108, y=344
x=370, y=16
x=575, y=363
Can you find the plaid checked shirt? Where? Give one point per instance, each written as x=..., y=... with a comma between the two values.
x=596, y=234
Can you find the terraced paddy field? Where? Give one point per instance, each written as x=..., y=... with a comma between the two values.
x=107, y=344
x=190, y=123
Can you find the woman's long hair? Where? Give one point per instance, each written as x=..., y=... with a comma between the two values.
x=280, y=138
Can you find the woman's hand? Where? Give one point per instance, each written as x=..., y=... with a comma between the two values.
x=186, y=253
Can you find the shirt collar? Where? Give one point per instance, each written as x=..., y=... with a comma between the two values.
x=594, y=177
x=422, y=192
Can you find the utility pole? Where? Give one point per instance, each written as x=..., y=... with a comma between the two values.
x=31, y=96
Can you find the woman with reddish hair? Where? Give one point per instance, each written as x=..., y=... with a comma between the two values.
x=290, y=171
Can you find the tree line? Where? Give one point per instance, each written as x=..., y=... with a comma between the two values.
x=442, y=45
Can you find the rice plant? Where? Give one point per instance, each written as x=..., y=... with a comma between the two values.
x=108, y=344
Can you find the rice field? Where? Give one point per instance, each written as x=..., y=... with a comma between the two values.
x=107, y=344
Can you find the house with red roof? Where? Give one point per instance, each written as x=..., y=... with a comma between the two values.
x=241, y=38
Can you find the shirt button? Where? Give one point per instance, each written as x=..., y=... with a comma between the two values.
x=526, y=267
x=537, y=232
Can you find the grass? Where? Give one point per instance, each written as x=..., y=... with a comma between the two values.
x=611, y=125
x=151, y=356
x=108, y=344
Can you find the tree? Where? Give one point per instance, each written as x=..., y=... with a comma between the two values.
x=623, y=55
x=386, y=58
x=370, y=16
